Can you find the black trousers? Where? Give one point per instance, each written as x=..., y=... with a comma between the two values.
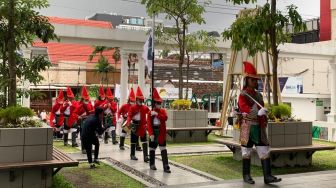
x=135, y=138
x=88, y=142
x=251, y=143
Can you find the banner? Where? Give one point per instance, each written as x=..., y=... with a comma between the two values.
x=172, y=93
x=288, y=85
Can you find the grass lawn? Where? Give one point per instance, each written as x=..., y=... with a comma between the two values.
x=321, y=142
x=66, y=149
x=103, y=176
x=223, y=165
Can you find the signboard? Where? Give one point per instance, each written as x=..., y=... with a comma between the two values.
x=172, y=93
x=319, y=103
x=291, y=85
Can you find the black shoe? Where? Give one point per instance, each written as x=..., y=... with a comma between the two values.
x=145, y=152
x=268, y=178
x=122, y=141
x=96, y=162
x=106, y=138
x=134, y=158
x=74, y=145
x=115, y=142
x=114, y=137
x=65, y=139
x=84, y=151
x=153, y=167
x=246, y=171
x=165, y=163
x=139, y=148
x=92, y=166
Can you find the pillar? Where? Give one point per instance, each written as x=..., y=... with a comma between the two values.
x=141, y=76
x=26, y=84
x=124, y=77
x=332, y=115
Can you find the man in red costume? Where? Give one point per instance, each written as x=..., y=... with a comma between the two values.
x=136, y=122
x=110, y=120
x=85, y=109
x=253, y=126
x=156, y=125
x=56, y=118
x=122, y=116
x=70, y=113
x=102, y=103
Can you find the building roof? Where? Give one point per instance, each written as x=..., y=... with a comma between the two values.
x=80, y=22
x=71, y=52
x=115, y=19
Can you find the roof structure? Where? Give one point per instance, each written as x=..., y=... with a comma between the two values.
x=72, y=52
x=79, y=22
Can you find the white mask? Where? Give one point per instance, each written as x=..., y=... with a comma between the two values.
x=158, y=106
x=103, y=98
x=132, y=103
x=86, y=102
x=139, y=103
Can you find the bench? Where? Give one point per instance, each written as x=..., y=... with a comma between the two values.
x=172, y=131
x=276, y=152
x=59, y=160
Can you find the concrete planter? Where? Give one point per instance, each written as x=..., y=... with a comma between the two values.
x=25, y=144
x=186, y=119
x=286, y=134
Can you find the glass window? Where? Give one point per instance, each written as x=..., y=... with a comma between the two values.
x=133, y=21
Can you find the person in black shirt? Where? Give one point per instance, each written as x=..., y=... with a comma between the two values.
x=93, y=126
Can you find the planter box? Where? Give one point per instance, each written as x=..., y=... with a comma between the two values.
x=185, y=119
x=25, y=144
x=287, y=134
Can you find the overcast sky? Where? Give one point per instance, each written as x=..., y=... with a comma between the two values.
x=219, y=15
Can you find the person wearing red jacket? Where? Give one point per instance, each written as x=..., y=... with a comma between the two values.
x=69, y=110
x=110, y=120
x=102, y=103
x=253, y=125
x=122, y=116
x=56, y=119
x=136, y=122
x=156, y=125
x=85, y=109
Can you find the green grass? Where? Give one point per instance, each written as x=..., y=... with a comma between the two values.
x=66, y=149
x=321, y=142
x=103, y=176
x=225, y=167
x=60, y=182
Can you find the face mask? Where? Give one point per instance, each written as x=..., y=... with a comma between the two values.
x=158, y=106
x=103, y=98
x=86, y=102
x=132, y=103
x=139, y=102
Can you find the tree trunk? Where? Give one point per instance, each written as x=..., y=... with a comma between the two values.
x=268, y=75
x=187, y=72
x=275, y=54
x=11, y=55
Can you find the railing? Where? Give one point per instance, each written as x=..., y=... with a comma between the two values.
x=331, y=129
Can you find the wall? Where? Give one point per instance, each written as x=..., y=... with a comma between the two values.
x=325, y=20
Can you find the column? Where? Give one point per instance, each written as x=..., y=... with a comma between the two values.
x=225, y=70
x=26, y=83
x=332, y=115
x=141, y=75
x=123, y=77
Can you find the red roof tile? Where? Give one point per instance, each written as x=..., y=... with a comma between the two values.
x=89, y=23
x=71, y=52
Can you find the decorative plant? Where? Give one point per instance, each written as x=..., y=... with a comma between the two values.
x=181, y=104
x=280, y=112
x=17, y=116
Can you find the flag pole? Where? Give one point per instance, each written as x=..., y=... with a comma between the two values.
x=153, y=58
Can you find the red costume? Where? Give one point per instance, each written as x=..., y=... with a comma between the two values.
x=134, y=110
x=112, y=105
x=101, y=103
x=156, y=125
x=70, y=109
x=85, y=108
x=161, y=116
x=56, y=111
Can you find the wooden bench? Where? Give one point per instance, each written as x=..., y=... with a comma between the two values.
x=275, y=152
x=172, y=131
x=59, y=161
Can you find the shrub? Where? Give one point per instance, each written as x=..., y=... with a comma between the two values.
x=17, y=116
x=281, y=111
x=181, y=104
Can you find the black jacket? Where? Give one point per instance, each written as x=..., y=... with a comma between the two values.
x=91, y=126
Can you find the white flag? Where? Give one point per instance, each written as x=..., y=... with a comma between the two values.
x=147, y=53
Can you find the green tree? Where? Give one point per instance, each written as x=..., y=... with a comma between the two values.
x=200, y=42
x=182, y=13
x=254, y=28
x=21, y=24
x=103, y=67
